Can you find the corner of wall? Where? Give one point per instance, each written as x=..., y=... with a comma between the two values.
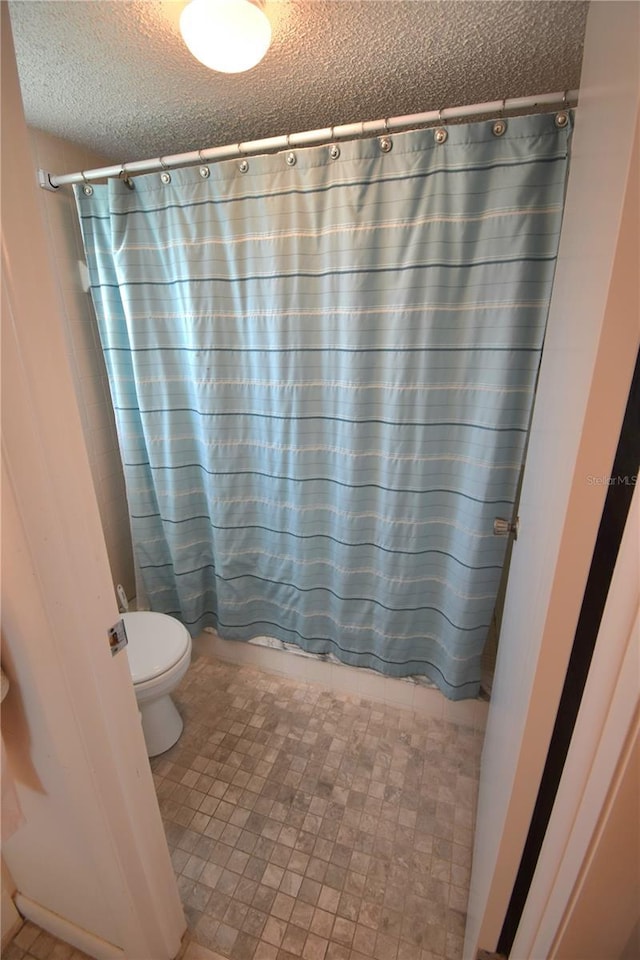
x=84, y=351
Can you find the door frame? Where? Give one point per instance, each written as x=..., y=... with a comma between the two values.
x=586, y=371
x=602, y=748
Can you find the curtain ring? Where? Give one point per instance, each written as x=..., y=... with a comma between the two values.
x=385, y=141
x=204, y=168
x=562, y=117
x=243, y=166
x=291, y=157
x=124, y=177
x=504, y=107
x=165, y=176
x=83, y=176
x=334, y=149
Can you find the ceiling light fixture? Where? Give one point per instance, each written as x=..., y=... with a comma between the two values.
x=226, y=35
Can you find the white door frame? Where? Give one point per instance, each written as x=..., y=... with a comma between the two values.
x=90, y=860
x=600, y=748
x=586, y=370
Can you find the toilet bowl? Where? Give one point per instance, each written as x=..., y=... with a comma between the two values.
x=159, y=651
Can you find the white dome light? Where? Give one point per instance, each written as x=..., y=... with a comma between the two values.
x=226, y=35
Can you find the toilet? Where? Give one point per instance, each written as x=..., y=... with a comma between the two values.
x=159, y=651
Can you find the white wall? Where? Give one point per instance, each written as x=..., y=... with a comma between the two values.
x=64, y=246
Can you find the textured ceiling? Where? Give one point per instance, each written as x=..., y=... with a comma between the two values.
x=115, y=76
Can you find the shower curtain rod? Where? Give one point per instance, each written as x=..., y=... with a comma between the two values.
x=308, y=138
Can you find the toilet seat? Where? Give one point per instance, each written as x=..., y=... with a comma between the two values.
x=157, y=643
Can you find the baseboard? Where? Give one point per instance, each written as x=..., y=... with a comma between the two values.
x=64, y=930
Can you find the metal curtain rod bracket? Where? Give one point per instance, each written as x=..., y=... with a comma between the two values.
x=44, y=180
x=49, y=181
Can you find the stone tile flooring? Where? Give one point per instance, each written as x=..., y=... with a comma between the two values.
x=32, y=943
x=309, y=824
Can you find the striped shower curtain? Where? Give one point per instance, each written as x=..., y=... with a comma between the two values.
x=322, y=374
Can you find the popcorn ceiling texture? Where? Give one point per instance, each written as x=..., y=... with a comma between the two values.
x=116, y=78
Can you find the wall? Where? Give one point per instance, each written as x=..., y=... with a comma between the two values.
x=84, y=352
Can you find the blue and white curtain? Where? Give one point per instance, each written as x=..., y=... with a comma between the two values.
x=322, y=375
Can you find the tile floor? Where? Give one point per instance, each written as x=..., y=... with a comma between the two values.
x=307, y=823
x=304, y=823
x=32, y=943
